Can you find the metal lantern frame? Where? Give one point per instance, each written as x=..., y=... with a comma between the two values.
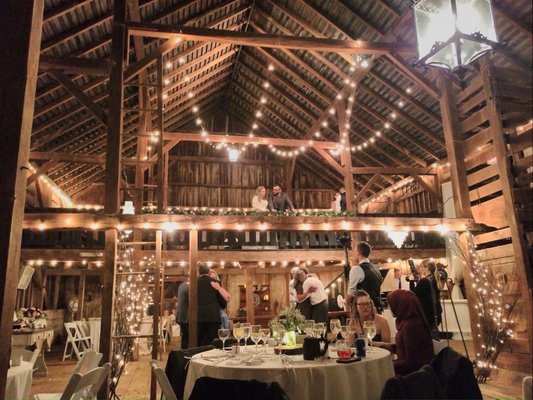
x=457, y=40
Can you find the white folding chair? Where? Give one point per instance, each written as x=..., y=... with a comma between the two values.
x=78, y=342
x=80, y=386
x=27, y=355
x=83, y=328
x=90, y=360
x=164, y=384
x=145, y=343
x=163, y=333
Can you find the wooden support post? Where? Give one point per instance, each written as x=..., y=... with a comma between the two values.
x=454, y=147
x=287, y=293
x=165, y=179
x=193, y=288
x=156, y=309
x=249, y=279
x=81, y=295
x=289, y=173
x=57, y=282
x=108, y=296
x=160, y=128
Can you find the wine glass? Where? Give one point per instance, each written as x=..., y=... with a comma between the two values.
x=308, y=327
x=223, y=334
x=319, y=329
x=335, y=327
x=238, y=332
x=255, y=334
x=265, y=335
x=369, y=328
x=278, y=333
x=351, y=324
x=246, y=333
x=344, y=332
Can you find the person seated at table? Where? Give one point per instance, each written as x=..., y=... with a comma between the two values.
x=364, y=310
x=259, y=201
x=413, y=344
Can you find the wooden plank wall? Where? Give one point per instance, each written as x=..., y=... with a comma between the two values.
x=203, y=176
x=486, y=194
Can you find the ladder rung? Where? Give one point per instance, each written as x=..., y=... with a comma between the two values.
x=139, y=109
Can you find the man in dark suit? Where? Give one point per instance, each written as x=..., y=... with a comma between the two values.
x=279, y=201
x=210, y=301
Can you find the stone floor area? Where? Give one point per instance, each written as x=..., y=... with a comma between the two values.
x=135, y=384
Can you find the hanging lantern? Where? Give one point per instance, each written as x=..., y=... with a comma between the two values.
x=453, y=33
x=397, y=237
x=233, y=154
x=128, y=209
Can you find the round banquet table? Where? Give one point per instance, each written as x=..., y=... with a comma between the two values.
x=19, y=381
x=306, y=380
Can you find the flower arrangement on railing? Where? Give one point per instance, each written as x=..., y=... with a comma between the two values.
x=31, y=318
x=205, y=211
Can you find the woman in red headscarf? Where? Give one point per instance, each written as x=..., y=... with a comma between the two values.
x=413, y=346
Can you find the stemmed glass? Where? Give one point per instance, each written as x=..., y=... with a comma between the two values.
x=351, y=324
x=335, y=327
x=265, y=335
x=223, y=334
x=238, y=332
x=308, y=327
x=246, y=333
x=278, y=333
x=319, y=329
x=369, y=328
x=255, y=334
x=344, y=332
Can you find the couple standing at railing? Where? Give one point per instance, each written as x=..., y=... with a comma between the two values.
x=276, y=201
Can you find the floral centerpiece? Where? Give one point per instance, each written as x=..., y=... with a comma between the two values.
x=31, y=318
x=292, y=320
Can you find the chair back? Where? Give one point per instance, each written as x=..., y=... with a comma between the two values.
x=86, y=386
x=162, y=380
x=89, y=361
x=73, y=330
x=27, y=355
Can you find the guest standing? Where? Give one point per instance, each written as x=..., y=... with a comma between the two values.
x=427, y=291
x=182, y=317
x=342, y=200
x=303, y=306
x=364, y=310
x=279, y=201
x=413, y=344
x=399, y=282
x=259, y=201
x=225, y=294
x=210, y=301
x=313, y=289
x=365, y=276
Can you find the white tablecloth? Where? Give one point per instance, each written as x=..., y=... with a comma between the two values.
x=95, y=324
x=306, y=380
x=19, y=381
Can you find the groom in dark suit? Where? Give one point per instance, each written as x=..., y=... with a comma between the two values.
x=210, y=301
x=279, y=201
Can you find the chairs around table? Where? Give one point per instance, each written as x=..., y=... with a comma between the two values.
x=89, y=361
x=27, y=355
x=162, y=380
x=82, y=386
x=207, y=388
x=78, y=341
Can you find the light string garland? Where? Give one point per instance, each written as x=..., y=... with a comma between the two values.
x=494, y=303
x=56, y=190
x=133, y=295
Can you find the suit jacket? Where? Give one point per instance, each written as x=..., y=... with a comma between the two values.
x=210, y=301
x=283, y=205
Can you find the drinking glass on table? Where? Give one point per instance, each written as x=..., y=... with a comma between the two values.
x=223, y=334
x=246, y=333
x=319, y=329
x=369, y=327
x=351, y=324
x=343, y=349
x=255, y=334
x=238, y=332
x=265, y=335
x=308, y=327
x=344, y=332
x=335, y=327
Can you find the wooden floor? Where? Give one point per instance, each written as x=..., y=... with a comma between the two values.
x=135, y=384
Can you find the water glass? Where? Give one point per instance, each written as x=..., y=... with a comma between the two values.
x=223, y=334
x=343, y=349
x=369, y=328
x=246, y=333
x=308, y=327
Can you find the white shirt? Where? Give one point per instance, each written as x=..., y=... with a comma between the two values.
x=356, y=276
x=259, y=204
x=316, y=297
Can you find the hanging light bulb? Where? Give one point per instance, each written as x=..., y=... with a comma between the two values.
x=233, y=154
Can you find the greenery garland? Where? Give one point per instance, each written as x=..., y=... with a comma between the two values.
x=204, y=211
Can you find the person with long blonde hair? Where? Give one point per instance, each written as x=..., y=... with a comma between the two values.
x=363, y=310
x=259, y=201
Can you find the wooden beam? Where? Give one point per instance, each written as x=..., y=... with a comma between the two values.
x=454, y=148
x=160, y=129
x=427, y=187
x=79, y=158
x=20, y=35
x=417, y=78
x=73, y=65
x=346, y=155
x=229, y=222
x=40, y=171
x=366, y=188
x=330, y=160
x=393, y=170
x=193, y=288
x=81, y=296
x=156, y=308
x=174, y=32
x=80, y=95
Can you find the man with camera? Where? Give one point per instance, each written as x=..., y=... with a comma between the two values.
x=365, y=276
